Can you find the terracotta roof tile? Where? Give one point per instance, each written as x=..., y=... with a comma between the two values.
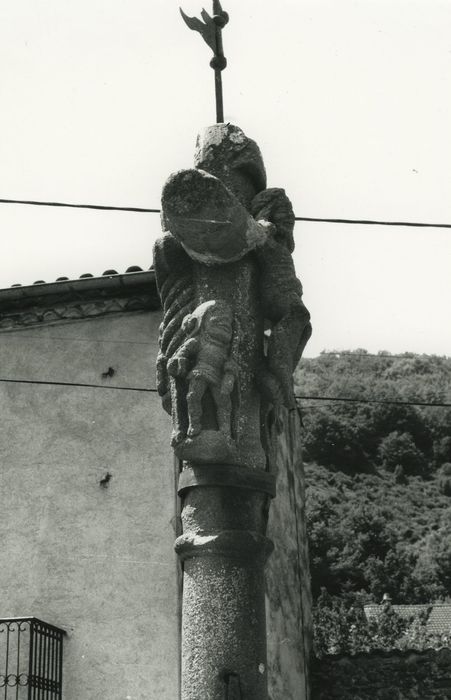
x=439, y=614
x=440, y=618
x=86, y=275
x=85, y=297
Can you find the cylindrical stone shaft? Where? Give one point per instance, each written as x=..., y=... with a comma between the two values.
x=224, y=549
x=223, y=629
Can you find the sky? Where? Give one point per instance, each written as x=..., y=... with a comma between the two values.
x=350, y=103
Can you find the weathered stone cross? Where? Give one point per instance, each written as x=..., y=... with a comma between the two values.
x=211, y=31
x=233, y=330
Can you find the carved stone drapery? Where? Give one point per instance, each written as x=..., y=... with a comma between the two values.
x=233, y=330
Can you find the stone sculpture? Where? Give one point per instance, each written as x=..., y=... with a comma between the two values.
x=204, y=361
x=224, y=263
x=234, y=327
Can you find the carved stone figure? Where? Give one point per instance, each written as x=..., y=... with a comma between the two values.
x=280, y=293
x=204, y=360
x=225, y=262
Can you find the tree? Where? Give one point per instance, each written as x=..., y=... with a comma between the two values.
x=442, y=449
x=331, y=438
x=354, y=544
x=399, y=448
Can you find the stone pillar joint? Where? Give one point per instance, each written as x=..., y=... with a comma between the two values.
x=230, y=475
x=233, y=544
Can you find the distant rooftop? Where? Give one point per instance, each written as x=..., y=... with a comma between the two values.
x=85, y=275
x=438, y=615
x=85, y=297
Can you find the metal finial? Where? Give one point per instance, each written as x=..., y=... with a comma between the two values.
x=211, y=31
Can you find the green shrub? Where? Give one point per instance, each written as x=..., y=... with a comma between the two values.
x=341, y=627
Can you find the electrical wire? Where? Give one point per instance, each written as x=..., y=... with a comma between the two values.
x=78, y=385
x=346, y=399
x=368, y=222
x=143, y=210
x=102, y=207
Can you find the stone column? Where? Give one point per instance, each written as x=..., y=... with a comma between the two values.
x=233, y=329
x=224, y=549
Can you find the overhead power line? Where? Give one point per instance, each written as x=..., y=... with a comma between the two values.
x=154, y=391
x=368, y=222
x=79, y=385
x=142, y=210
x=102, y=207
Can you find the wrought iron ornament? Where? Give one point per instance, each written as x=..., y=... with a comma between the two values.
x=211, y=31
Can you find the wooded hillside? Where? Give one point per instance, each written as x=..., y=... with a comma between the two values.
x=378, y=473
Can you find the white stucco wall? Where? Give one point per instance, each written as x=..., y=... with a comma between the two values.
x=95, y=561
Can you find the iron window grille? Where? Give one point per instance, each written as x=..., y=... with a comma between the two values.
x=31, y=659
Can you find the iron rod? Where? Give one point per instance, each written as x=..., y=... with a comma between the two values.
x=30, y=661
x=7, y=661
x=18, y=660
x=47, y=670
x=219, y=98
x=52, y=666
x=39, y=666
x=60, y=674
